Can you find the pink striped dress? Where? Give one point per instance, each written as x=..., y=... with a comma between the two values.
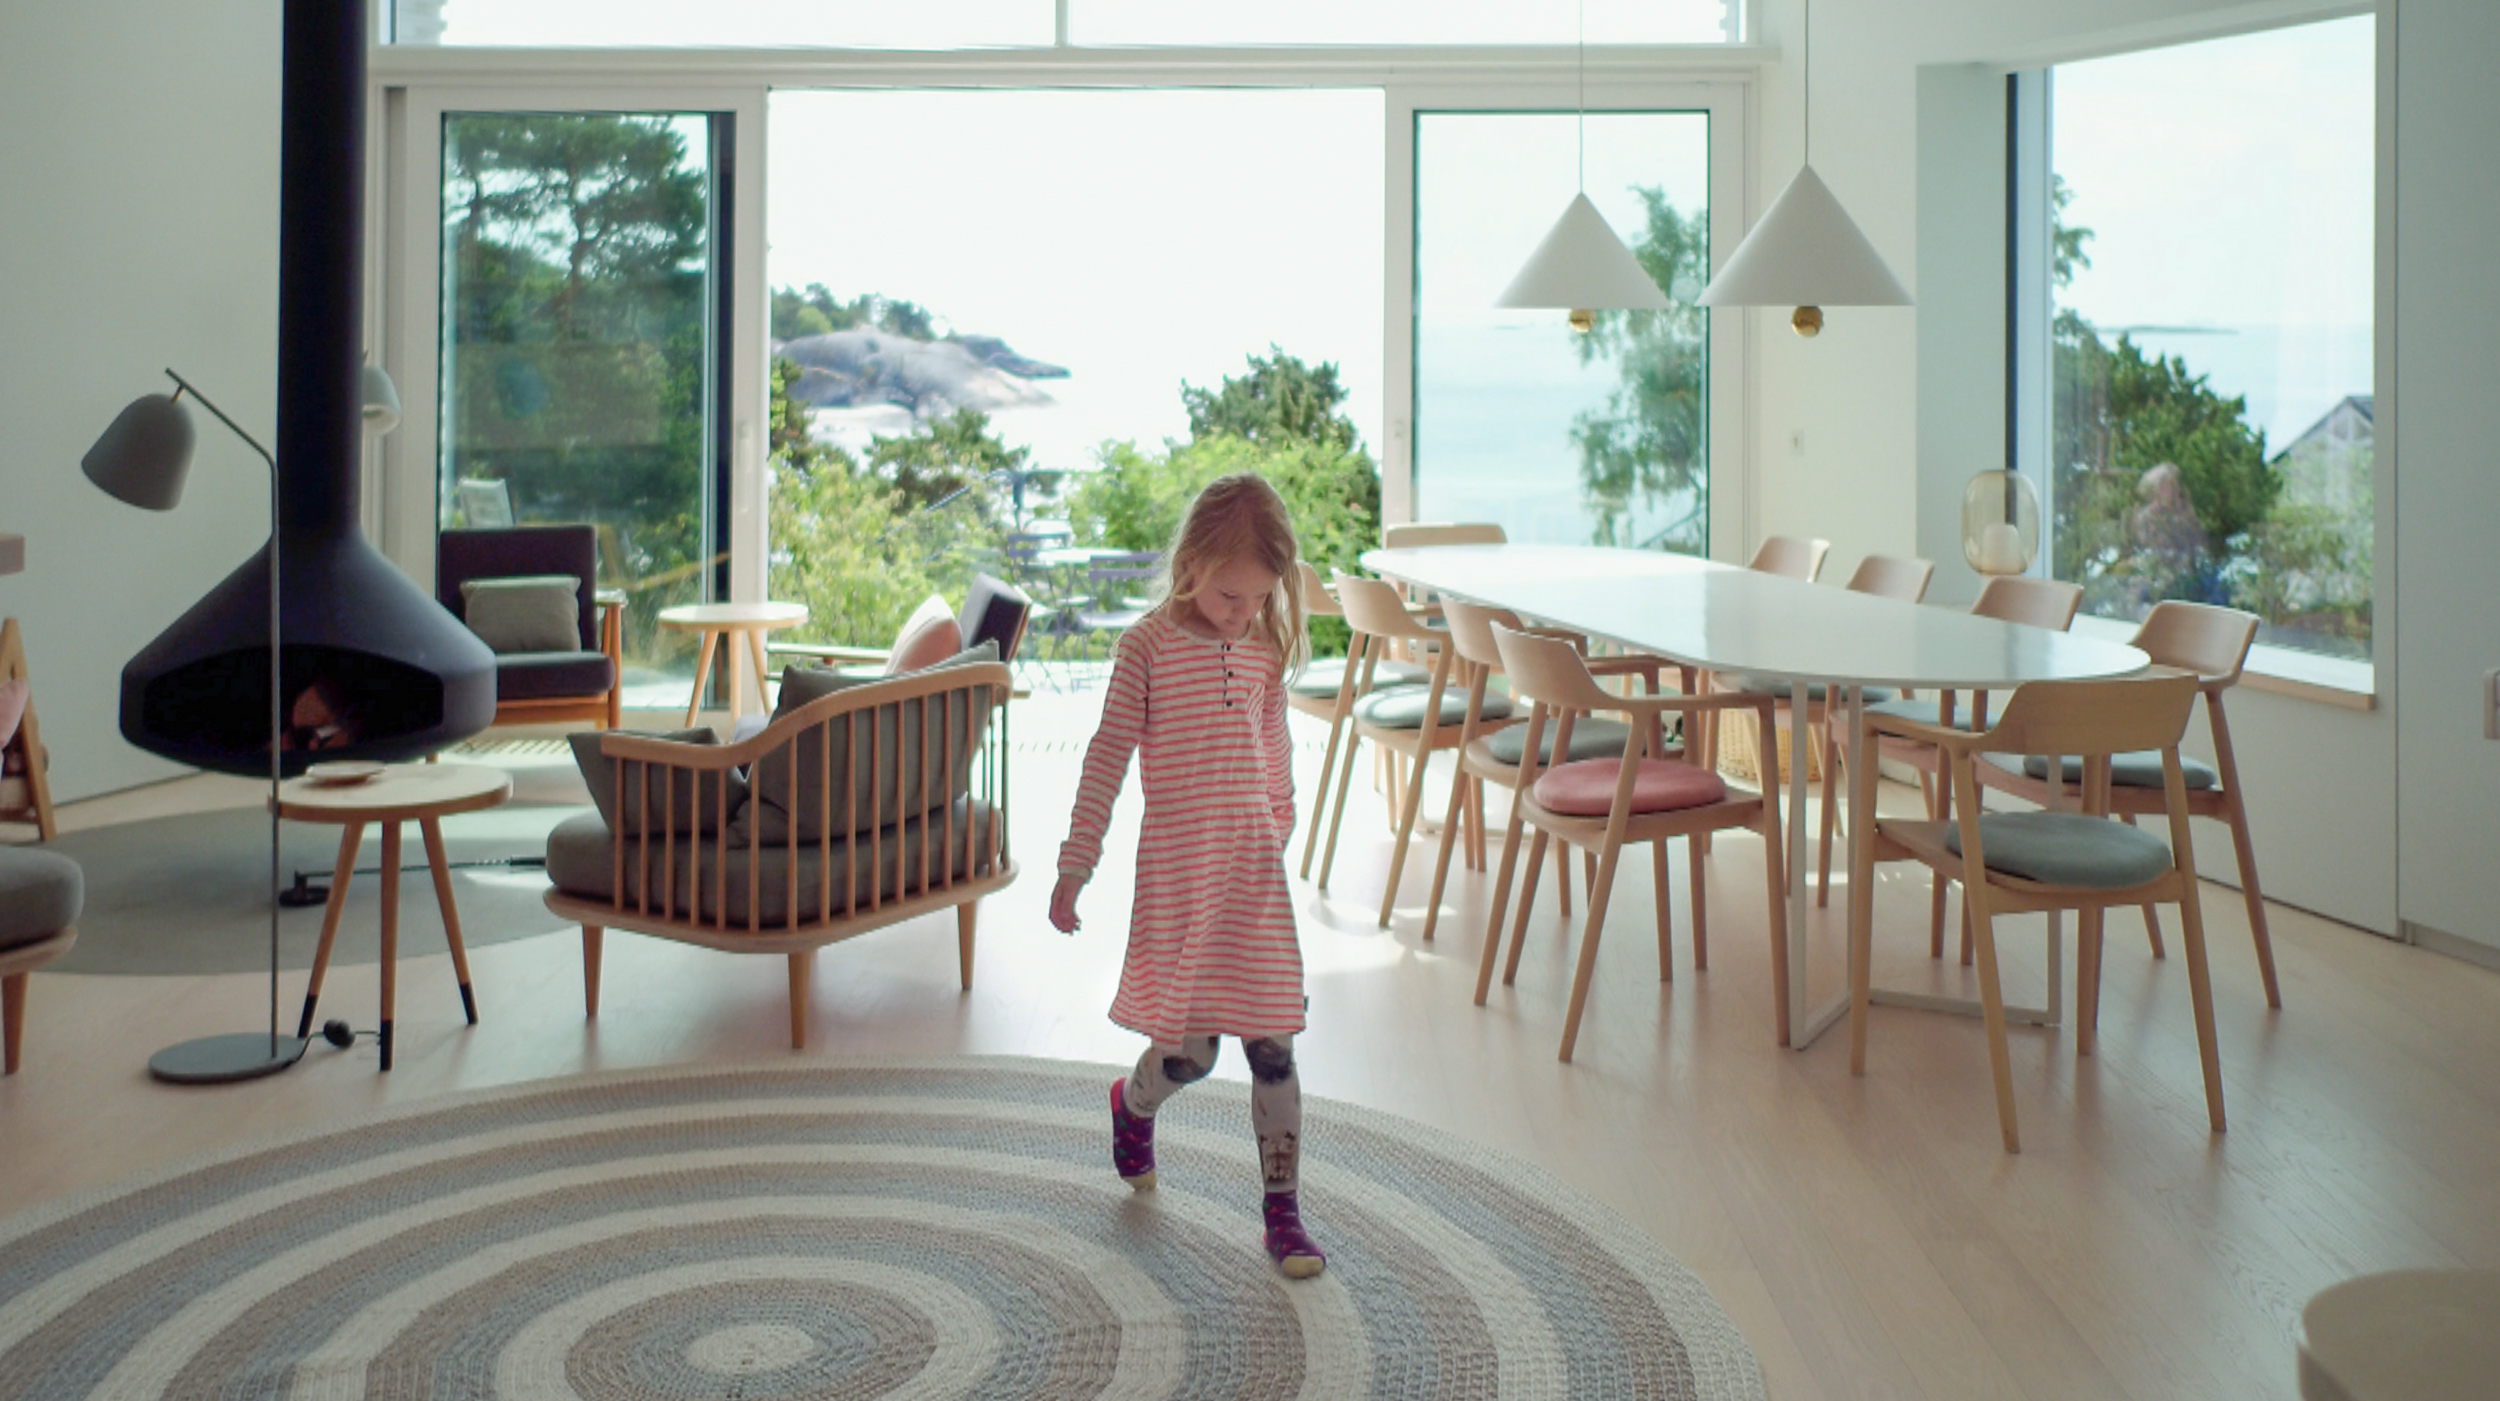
x=1212, y=946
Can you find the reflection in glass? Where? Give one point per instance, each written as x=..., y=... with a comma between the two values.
x=1560, y=437
x=1405, y=22
x=576, y=363
x=2213, y=210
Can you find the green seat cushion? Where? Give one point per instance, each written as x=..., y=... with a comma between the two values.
x=1923, y=710
x=1778, y=686
x=1403, y=707
x=2067, y=848
x=1591, y=738
x=2141, y=769
x=1321, y=678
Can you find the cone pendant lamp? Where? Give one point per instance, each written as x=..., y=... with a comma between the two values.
x=1805, y=251
x=1582, y=267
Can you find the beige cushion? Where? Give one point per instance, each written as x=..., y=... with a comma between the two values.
x=13, y=708
x=929, y=636
x=525, y=613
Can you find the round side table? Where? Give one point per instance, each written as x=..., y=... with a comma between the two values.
x=717, y=623
x=420, y=793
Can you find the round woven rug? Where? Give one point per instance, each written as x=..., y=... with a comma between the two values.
x=935, y=1228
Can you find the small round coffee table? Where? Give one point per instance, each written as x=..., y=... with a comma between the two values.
x=717, y=623
x=420, y=793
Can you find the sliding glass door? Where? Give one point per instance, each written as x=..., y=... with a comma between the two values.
x=569, y=347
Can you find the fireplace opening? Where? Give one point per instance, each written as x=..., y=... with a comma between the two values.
x=339, y=702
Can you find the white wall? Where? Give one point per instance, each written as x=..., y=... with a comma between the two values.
x=2447, y=421
x=1899, y=407
x=139, y=231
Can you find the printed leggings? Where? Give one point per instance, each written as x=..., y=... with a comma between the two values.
x=1275, y=1095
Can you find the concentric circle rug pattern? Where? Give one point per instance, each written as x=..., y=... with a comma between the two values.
x=925, y=1229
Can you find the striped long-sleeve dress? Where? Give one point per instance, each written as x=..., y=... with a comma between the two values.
x=1212, y=947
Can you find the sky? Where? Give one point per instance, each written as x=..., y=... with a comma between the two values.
x=1139, y=240
x=2229, y=188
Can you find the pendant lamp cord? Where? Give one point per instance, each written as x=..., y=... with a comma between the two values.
x=1805, y=42
x=1583, y=108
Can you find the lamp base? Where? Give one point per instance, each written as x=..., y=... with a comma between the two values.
x=219, y=1060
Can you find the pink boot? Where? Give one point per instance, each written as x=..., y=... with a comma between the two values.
x=1132, y=1141
x=1287, y=1243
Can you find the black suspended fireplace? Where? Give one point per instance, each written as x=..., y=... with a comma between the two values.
x=371, y=667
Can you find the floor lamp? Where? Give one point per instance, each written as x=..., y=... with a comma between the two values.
x=143, y=459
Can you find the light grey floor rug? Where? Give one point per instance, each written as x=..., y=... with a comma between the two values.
x=812, y=1228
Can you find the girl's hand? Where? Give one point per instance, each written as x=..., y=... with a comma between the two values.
x=1063, y=904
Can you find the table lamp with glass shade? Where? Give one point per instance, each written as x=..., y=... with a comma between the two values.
x=143, y=458
x=2000, y=523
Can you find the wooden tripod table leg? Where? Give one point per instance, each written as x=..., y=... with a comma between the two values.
x=390, y=931
x=702, y=672
x=432, y=830
x=351, y=836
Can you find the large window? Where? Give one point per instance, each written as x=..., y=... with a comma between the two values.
x=1009, y=311
x=1559, y=436
x=2209, y=286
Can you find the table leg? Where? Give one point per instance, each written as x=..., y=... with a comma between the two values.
x=734, y=669
x=763, y=672
x=1801, y=1031
x=702, y=672
x=390, y=931
x=351, y=836
x=432, y=830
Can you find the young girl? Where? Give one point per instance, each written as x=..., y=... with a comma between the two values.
x=1198, y=686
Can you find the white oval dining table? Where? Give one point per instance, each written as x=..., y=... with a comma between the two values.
x=1727, y=618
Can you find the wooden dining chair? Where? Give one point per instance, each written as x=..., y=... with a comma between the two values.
x=1797, y=557
x=1413, y=722
x=2009, y=598
x=2211, y=644
x=1636, y=795
x=1327, y=687
x=2016, y=862
x=1494, y=756
x=1884, y=576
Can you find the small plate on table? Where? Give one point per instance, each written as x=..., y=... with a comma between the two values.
x=339, y=772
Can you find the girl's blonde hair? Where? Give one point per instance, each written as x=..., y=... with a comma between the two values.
x=1241, y=517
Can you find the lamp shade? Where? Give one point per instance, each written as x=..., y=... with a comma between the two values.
x=381, y=401
x=1582, y=266
x=145, y=454
x=2000, y=523
x=1804, y=251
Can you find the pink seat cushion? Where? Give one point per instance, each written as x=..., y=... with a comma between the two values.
x=1587, y=788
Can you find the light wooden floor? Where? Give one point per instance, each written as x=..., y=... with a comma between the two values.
x=1867, y=1234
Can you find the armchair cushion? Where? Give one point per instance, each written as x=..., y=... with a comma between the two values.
x=929, y=636
x=545, y=675
x=1402, y=707
x=1591, y=738
x=691, y=807
x=581, y=861
x=994, y=611
x=782, y=800
x=12, y=708
x=1321, y=677
x=40, y=895
x=1778, y=686
x=524, y=613
x=2066, y=848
